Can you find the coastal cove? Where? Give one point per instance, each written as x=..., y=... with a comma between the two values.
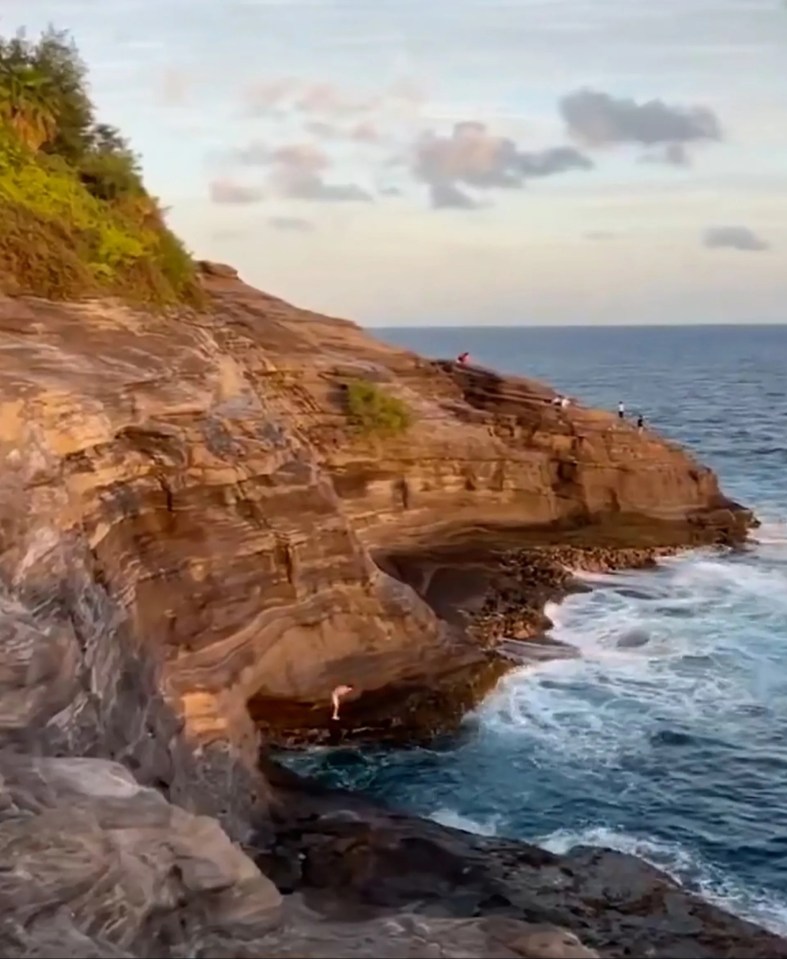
x=213, y=517
x=665, y=737
x=437, y=644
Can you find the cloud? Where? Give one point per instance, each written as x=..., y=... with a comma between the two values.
x=313, y=187
x=673, y=154
x=469, y=154
x=301, y=158
x=446, y=196
x=476, y=157
x=734, y=238
x=297, y=173
x=255, y=154
x=408, y=90
x=174, y=88
x=293, y=224
x=230, y=233
x=264, y=96
x=276, y=96
x=328, y=100
x=597, y=119
x=229, y=192
x=365, y=132
x=322, y=129
x=554, y=160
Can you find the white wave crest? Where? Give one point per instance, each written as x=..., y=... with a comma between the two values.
x=684, y=867
x=772, y=532
x=454, y=820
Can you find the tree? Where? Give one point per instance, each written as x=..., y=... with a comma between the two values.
x=26, y=97
x=109, y=169
x=56, y=56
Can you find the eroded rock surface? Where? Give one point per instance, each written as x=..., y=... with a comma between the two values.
x=196, y=546
x=193, y=481
x=93, y=861
x=94, y=865
x=341, y=852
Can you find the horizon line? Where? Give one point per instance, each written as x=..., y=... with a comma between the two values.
x=573, y=326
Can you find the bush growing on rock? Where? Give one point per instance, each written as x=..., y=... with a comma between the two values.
x=75, y=217
x=372, y=410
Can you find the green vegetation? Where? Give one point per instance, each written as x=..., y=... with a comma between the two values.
x=75, y=218
x=372, y=410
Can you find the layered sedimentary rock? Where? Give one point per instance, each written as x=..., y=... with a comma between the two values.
x=196, y=545
x=192, y=482
x=94, y=865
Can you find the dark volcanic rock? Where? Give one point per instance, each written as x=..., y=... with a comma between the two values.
x=94, y=865
x=352, y=852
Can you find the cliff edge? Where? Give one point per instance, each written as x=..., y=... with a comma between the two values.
x=202, y=473
x=200, y=535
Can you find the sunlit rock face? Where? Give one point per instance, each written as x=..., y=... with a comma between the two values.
x=197, y=546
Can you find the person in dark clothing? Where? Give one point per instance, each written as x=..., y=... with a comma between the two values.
x=463, y=358
x=640, y=423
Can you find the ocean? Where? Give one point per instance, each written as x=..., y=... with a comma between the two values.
x=675, y=750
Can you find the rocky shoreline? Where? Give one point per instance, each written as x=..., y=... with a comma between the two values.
x=506, y=622
x=352, y=858
x=197, y=546
x=530, y=578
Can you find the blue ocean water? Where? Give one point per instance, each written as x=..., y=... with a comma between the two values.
x=675, y=750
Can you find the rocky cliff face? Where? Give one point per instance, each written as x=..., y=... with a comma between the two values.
x=197, y=479
x=196, y=545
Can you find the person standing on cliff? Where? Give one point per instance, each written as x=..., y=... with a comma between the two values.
x=621, y=411
x=463, y=359
x=336, y=699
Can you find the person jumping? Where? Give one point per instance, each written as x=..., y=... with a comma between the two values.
x=336, y=699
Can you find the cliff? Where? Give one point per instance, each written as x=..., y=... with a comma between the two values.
x=201, y=471
x=198, y=542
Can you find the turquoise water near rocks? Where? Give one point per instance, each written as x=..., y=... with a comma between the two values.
x=675, y=750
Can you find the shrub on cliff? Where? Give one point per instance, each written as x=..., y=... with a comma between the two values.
x=372, y=410
x=75, y=218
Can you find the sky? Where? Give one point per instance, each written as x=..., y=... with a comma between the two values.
x=461, y=162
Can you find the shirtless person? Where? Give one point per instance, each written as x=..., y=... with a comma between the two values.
x=336, y=698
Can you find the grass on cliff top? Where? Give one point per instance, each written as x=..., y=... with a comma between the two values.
x=373, y=411
x=75, y=217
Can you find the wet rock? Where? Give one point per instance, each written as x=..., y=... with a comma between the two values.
x=613, y=903
x=96, y=865
x=633, y=639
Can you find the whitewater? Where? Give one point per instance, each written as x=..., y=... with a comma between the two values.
x=667, y=736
